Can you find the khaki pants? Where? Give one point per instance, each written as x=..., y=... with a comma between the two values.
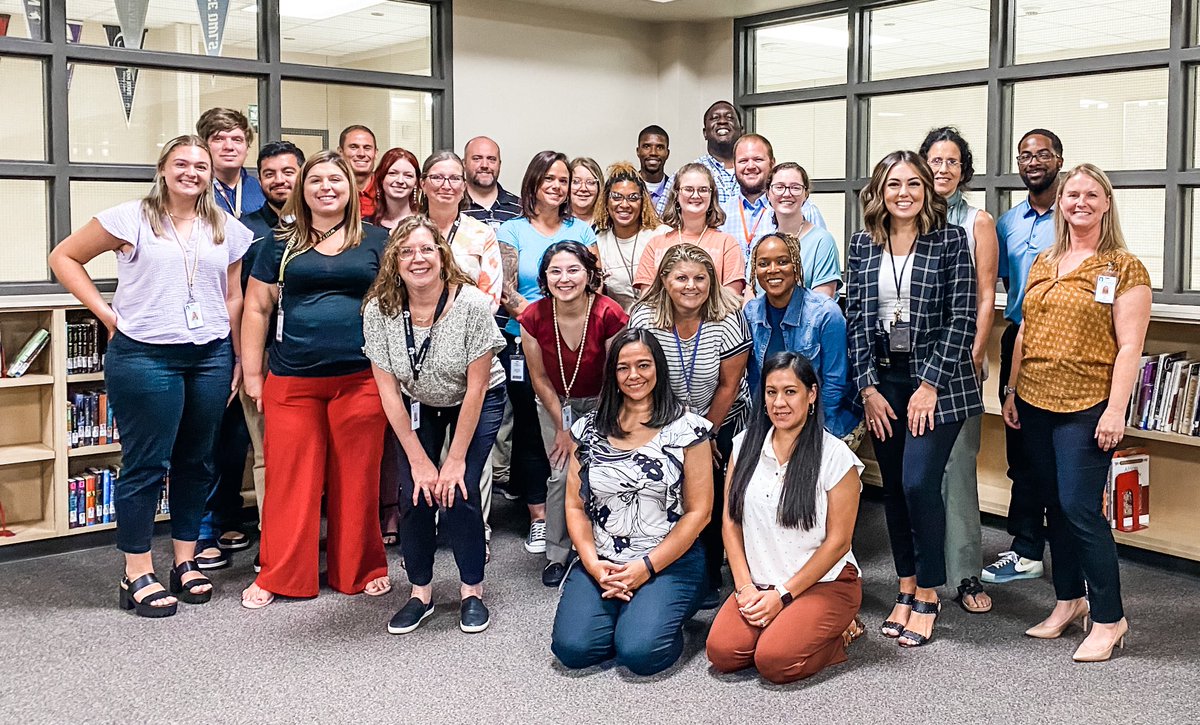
x=558, y=541
x=254, y=423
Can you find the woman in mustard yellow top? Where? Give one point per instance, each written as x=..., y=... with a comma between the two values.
x=1086, y=309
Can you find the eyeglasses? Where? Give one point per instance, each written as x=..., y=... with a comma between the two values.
x=695, y=190
x=634, y=198
x=439, y=180
x=1045, y=156
x=939, y=162
x=796, y=189
x=585, y=184
x=424, y=251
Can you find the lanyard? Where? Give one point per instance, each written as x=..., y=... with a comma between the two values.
x=629, y=263
x=898, y=277
x=690, y=369
x=190, y=277
x=749, y=233
x=562, y=373
x=287, y=253
x=236, y=204
x=453, y=230
x=417, y=356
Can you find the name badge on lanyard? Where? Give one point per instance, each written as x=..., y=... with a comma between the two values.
x=516, y=364
x=568, y=417
x=193, y=315
x=414, y=414
x=1106, y=289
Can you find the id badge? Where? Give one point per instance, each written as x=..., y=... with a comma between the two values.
x=1106, y=289
x=517, y=365
x=568, y=417
x=279, y=324
x=900, y=339
x=414, y=414
x=193, y=315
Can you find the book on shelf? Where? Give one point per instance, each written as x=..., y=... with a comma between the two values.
x=1127, y=496
x=83, y=347
x=29, y=352
x=90, y=419
x=1166, y=395
x=91, y=497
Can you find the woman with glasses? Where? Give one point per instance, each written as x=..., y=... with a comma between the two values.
x=953, y=166
x=545, y=220
x=787, y=192
x=625, y=223
x=695, y=217
x=586, y=181
x=396, y=185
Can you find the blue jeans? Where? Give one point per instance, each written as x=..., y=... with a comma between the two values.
x=463, y=520
x=167, y=401
x=645, y=634
x=223, y=510
x=1071, y=477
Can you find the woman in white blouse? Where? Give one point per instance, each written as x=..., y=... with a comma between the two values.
x=790, y=508
x=625, y=223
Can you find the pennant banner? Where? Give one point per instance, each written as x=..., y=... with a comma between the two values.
x=212, y=23
x=33, y=16
x=74, y=30
x=131, y=14
x=4, y=19
x=126, y=77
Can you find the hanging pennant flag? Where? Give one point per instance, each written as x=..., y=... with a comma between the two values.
x=33, y=17
x=74, y=30
x=131, y=14
x=126, y=77
x=212, y=23
x=4, y=18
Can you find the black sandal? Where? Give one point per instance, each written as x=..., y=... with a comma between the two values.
x=971, y=588
x=909, y=638
x=145, y=608
x=184, y=591
x=895, y=629
x=393, y=534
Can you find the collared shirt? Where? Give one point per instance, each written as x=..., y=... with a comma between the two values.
x=252, y=197
x=659, y=193
x=727, y=185
x=747, y=221
x=367, y=201
x=1023, y=235
x=506, y=206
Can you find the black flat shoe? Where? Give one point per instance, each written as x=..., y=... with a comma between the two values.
x=233, y=541
x=219, y=560
x=473, y=616
x=410, y=616
x=895, y=629
x=553, y=574
x=185, y=590
x=145, y=608
x=909, y=638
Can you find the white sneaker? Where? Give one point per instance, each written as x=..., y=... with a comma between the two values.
x=1010, y=567
x=535, y=543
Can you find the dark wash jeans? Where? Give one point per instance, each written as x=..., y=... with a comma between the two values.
x=529, y=468
x=1026, y=514
x=1071, y=479
x=463, y=520
x=167, y=401
x=223, y=511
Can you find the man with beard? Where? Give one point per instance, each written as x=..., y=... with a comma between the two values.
x=653, y=150
x=357, y=145
x=490, y=203
x=1024, y=231
x=722, y=129
x=228, y=134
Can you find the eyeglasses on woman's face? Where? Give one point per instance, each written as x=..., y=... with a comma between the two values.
x=617, y=198
x=424, y=250
x=440, y=179
x=793, y=189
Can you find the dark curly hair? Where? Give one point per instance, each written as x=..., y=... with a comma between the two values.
x=950, y=133
x=590, y=265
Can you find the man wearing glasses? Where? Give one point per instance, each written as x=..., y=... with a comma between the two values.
x=1024, y=231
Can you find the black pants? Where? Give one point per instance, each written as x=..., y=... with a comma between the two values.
x=1071, y=477
x=1026, y=514
x=714, y=545
x=528, y=467
x=912, y=468
x=223, y=511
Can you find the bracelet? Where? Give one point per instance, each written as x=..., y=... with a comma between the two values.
x=738, y=591
x=649, y=566
x=866, y=394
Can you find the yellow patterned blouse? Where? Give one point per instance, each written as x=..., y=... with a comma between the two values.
x=1069, y=343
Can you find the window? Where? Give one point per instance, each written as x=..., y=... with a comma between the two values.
x=928, y=37
x=332, y=36
x=24, y=136
x=800, y=55
x=89, y=198
x=1047, y=30
x=901, y=121
x=26, y=240
x=397, y=118
x=811, y=134
x=833, y=208
x=174, y=26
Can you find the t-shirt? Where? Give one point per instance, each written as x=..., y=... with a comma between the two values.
x=819, y=256
x=1069, y=343
x=774, y=553
x=725, y=251
x=620, y=259
x=152, y=276
x=321, y=299
x=531, y=245
x=606, y=319
x=635, y=497
x=465, y=333
x=712, y=343
x=776, y=343
x=478, y=254
x=262, y=225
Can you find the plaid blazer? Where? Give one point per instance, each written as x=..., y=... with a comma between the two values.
x=941, y=315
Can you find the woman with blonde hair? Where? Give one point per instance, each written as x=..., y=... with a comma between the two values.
x=320, y=393
x=586, y=181
x=172, y=331
x=625, y=222
x=432, y=343
x=1075, y=361
x=707, y=343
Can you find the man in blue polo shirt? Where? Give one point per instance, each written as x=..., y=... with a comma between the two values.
x=229, y=135
x=1025, y=231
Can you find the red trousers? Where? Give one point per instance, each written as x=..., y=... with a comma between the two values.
x=323, y=435
x=804, y=639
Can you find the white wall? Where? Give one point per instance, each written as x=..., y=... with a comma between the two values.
x=534, y=77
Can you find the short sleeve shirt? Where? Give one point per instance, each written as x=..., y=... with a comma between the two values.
x=465, y=333
x=725, y=251
x=818, y=254
x=606, y=319
x=152, y=276
x=1069, y=342
x=478, y=254
x=620, y=259
x=634, y=497
x=531, y=245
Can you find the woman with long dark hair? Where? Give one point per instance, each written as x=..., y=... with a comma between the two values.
x=639, y=491
x=790, y=506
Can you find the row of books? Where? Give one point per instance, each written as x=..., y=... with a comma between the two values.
x=1166, y=397
x=27, y=354
x=90, y=419
x=91, y=497
x=83, y=347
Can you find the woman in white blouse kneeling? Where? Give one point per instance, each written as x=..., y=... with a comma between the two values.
x=790, y=508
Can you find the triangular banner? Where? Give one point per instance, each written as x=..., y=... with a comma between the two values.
x=33, y=17
x=126, y=77
x=131, y=14
x=212, y=24
x=74, y=30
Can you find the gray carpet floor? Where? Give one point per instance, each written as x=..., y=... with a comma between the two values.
x=68, y=655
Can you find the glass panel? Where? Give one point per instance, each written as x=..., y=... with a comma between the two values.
x=26, y=239
x=17, y=22
x=24, y=137
x=901, y=121
x=832, y=206
x=89, y=198
x=805, y=54
x=176, y=26
x=162, y=105
x=1142, y=212
x=1116, y=121
x=312, y=111
x=958, y=29
x=811, y=134
x=331, y=34
x=1048, y=30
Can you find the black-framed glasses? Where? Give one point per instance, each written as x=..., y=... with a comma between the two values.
x=695, y=190
x=1045, y=156
x=439, y=179
x=795, y=189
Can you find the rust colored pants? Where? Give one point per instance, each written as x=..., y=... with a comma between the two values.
x=323, y=435
x=804, y=639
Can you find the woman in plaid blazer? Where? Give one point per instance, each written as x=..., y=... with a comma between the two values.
x=911, y=317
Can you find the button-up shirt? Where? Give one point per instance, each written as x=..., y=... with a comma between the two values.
x=747, y=221
x=1023, y=235
x=249, y=200
x=659, y=193
x=727, y=185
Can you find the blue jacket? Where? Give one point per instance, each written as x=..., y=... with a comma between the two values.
x=814, y=327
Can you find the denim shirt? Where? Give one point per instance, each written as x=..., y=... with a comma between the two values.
x=813, y=326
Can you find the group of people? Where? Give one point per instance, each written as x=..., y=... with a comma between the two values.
x=658, y=366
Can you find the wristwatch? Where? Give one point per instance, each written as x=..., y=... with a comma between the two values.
x=784, y=595
x=1009, y=390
